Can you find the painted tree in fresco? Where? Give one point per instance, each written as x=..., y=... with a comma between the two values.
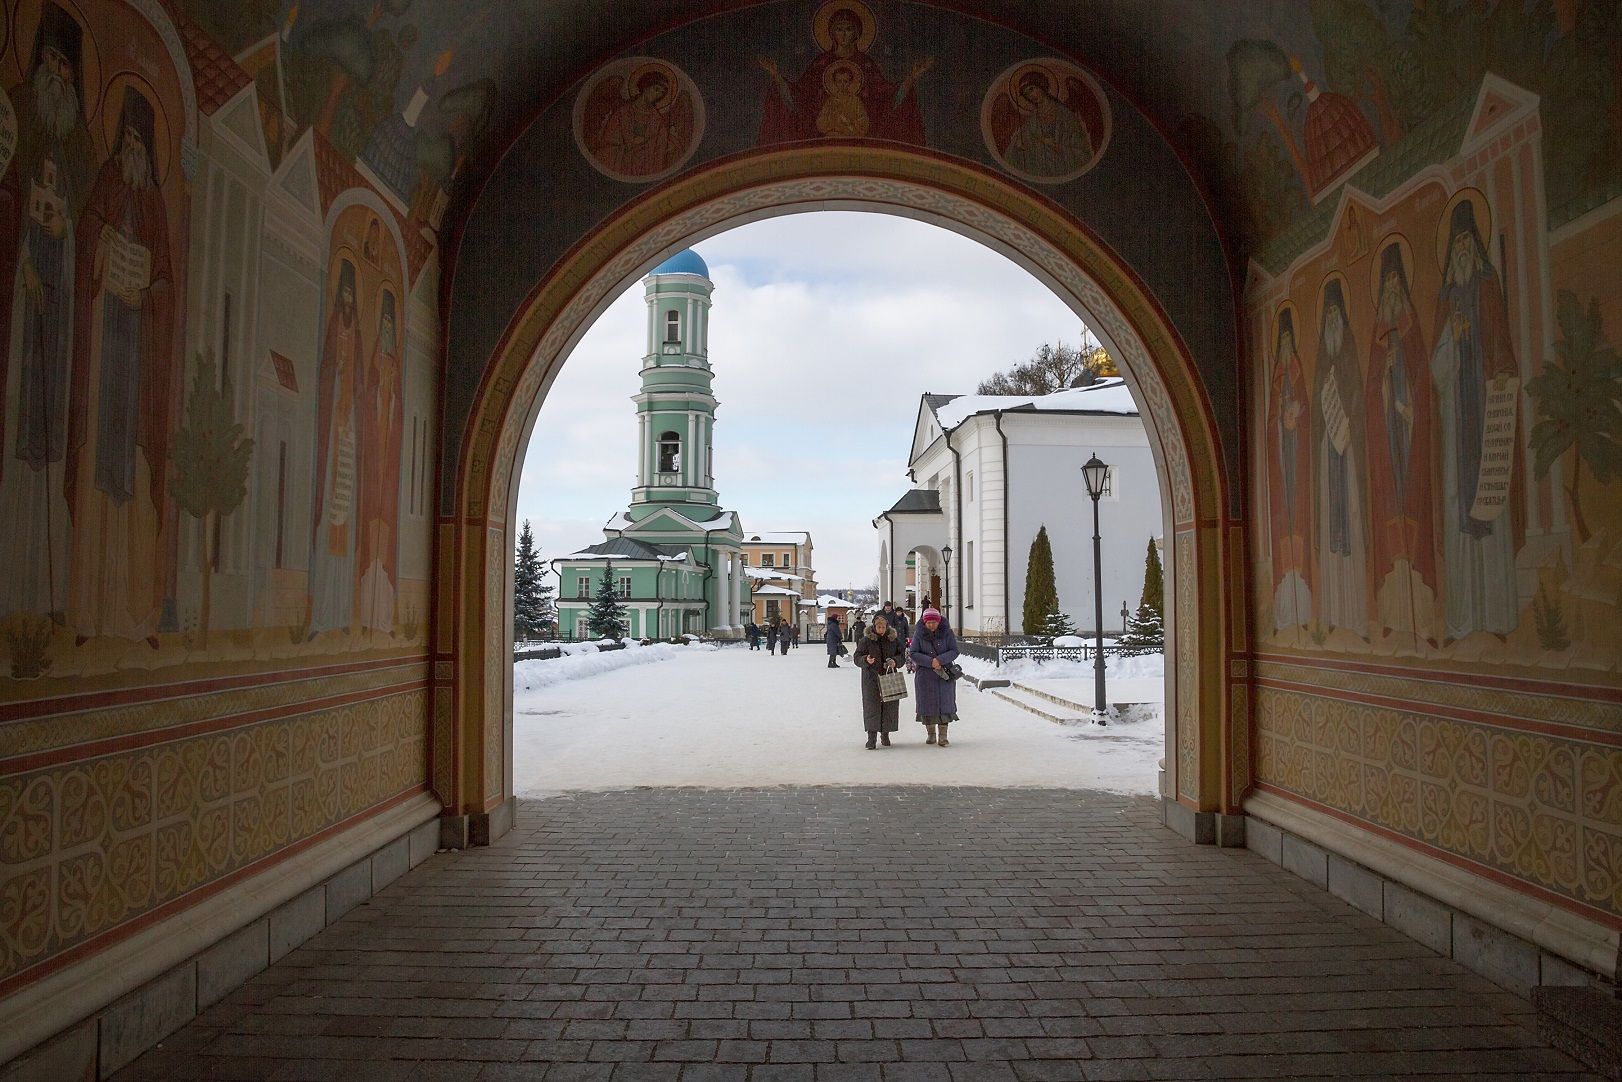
x=210, y=455
x=1579, y=399
x=1362, y=61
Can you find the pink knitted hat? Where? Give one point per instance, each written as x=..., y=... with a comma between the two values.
x=931, y=613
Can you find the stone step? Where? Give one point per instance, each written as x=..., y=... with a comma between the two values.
x=1584, y=1023
x=1039, y=707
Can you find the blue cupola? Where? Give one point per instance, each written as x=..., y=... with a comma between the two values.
x=685, y=261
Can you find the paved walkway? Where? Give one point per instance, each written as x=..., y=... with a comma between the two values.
x=875, y=934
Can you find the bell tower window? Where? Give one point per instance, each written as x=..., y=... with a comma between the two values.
x=672, y=326
x=669, y=453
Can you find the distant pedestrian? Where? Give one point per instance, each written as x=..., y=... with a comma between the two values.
x=858, y=629
x=785, y=635
x=771, y=639
x=932, y=651
x=752, y=629
x=880, y=651
x=835, y=641
x=794, y=634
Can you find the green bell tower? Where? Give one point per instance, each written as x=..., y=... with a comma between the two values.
x=676, y=409
x=674, y=506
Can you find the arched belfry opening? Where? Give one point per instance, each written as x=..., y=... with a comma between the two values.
x=1207, y=753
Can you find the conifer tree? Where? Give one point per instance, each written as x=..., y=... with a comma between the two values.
x=533, y=608
x=1145, y=630
x=1041, y=593
x=1154, y=582
x=1057, y=625
x=606, y=617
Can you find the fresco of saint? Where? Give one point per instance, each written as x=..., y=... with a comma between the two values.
x=1401, y=430
x=1289, y=474
x=795, y=109
x=639, y=126
x=42, y=196
x=337, y=462
x=1043, y=121
x=1476, y=381
x=1338, y=421
x=119, y=420
x=381, y=428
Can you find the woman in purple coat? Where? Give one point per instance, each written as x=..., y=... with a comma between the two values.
x=932, y=650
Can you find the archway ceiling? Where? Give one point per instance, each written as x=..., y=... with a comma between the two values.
x=487, y=66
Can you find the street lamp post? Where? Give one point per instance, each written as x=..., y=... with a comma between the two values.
x=946, y=586
x=1095, y=474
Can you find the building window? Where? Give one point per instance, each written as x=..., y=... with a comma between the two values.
x=772, y=611
x=743, y=559
x=788, y=559
x=768, y=559
x=968, y=487
x=967, y=571
x=623, y=588
x=583, y=584
x=582, y=628
x=672, y=326
x=669, y=453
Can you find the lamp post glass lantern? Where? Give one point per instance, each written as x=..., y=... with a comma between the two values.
x=946, y=584
x=1095, y=473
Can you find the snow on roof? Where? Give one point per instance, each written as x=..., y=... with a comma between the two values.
x=1108, y=395
x=772, y=573
x=780, y=591
x=835, y=603
x=788, y=537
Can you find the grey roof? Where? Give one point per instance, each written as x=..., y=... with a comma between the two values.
x=918, y=501
x=936, y=401
x=626, y=548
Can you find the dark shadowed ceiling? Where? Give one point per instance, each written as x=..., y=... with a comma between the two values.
x=1218, y=76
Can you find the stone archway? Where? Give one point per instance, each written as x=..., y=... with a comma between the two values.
x=1208, y=755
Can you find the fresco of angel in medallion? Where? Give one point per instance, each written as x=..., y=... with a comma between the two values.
x=638, y=119
x=1045, y=121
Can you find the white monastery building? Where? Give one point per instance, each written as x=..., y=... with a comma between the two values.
x=990, y=471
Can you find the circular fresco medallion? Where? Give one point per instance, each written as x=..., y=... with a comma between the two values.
x=1045, y=120
x=638, y=119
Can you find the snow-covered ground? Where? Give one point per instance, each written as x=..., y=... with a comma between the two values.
x=583, y=659
x=691, y=716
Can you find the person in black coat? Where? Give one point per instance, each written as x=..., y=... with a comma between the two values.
x=835, y=641
x=752, y=630
x=785, y=635
x=858, y=629
x=881, y=651
x=771, y=639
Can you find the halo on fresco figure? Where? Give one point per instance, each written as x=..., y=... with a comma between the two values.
x=1345, y=296
x=112, y=115
x=1405, y=251
x=821, y=30
x=1285, y=307
x=1045, y=120
x=25, y=20
x=1444, y=226
x=638, y=119
x=839, y=66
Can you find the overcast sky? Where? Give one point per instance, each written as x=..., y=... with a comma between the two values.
x=826, y=328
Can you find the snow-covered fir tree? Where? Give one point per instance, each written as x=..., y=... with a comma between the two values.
x=534, y=611
x=1145, y=631
x=606, y=617
x=1057, y=625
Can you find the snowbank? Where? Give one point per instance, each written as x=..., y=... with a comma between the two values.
x=583, y=659
x=1141, y=667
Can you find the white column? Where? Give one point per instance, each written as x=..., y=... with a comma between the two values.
x=737, y=589
x=723, y=595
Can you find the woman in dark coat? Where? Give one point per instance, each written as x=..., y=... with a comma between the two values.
x=881, y=650
x=771, y=639
x=753, y=632
x=834, y=640
x=932, y=651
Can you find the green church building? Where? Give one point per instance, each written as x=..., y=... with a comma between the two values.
x=674, y=552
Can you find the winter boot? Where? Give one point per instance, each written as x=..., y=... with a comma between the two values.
x=884, y=738
x=930, y=729
x=942, y=740
x=870, y=741
x=832, y=664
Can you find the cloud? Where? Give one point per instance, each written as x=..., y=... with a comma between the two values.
x=827, y=328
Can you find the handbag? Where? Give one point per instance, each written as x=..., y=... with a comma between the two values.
x=892, y=687
x=954, y=671
x=843, y=651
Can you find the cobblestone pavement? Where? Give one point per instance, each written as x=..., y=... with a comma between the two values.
x=873, y=934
